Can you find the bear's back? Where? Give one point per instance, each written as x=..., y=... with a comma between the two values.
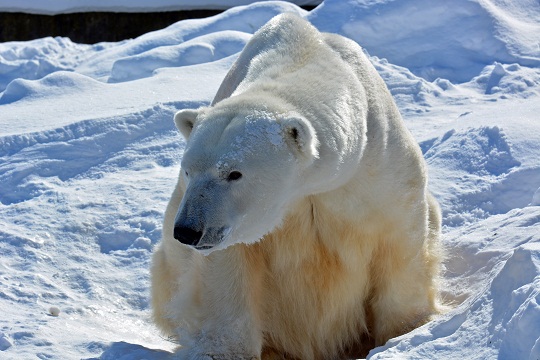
x=285, y=43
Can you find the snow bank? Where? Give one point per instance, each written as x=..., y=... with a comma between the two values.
x=35, y=59
x=436, y=38
x=244, y=19
x=89, y=155
x=202, y=49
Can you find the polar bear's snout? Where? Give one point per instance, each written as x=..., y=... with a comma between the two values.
x=201, y=240
x=201, y=220
x=188, y=224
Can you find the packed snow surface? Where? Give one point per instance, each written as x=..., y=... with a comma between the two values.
x=89, y=156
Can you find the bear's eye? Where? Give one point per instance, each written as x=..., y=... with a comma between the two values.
x=234, y=175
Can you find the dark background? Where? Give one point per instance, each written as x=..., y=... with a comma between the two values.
x=92, y=27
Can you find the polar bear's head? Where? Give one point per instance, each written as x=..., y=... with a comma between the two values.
x=242, y=170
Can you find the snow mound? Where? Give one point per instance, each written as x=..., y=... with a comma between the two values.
x=33, y=60
x=244, y=19
x=438, y=39
x=4, y=343
x=504, y=79
x=484, y=176
x=479, y=151
x=412, y=93
x=59, y=83
x=202, y=49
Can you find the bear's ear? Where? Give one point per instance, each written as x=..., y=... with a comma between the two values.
x=185, y=121
x=301, y=137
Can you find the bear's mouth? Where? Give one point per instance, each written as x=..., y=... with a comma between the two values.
x=211, y=237
x=206, y=239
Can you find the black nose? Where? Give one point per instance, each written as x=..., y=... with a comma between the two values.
x=187, y=235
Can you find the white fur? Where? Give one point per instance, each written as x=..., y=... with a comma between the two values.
x=327, y=244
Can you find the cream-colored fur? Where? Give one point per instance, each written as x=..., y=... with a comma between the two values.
x=350, y=260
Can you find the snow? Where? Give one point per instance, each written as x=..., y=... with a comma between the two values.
x=89, y=155
x=439, y=39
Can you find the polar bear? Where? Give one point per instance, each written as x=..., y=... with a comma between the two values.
x=301, y=226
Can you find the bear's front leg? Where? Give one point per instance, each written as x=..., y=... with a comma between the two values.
x=229, y=326
x=205, y=350
x=226, y=339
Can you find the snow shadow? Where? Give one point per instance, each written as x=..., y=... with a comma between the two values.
x=125, y=351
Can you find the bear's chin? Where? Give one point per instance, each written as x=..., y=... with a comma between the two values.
x=209, y=249
x=226, y=242
x=213, y=240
